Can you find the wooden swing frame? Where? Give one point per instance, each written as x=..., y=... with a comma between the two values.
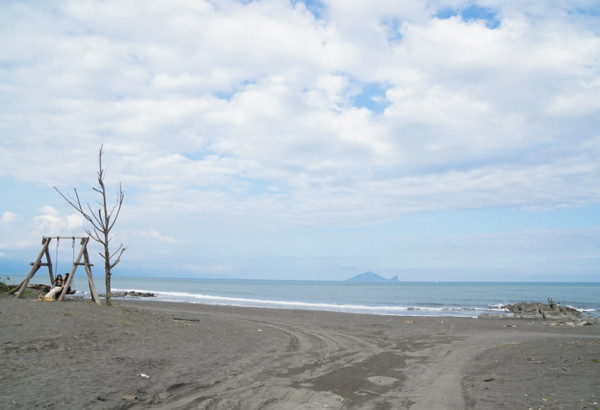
x=83, y=253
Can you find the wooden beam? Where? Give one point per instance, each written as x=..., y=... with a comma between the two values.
x=65, y=237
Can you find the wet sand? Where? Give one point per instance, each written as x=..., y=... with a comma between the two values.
x=145, y=355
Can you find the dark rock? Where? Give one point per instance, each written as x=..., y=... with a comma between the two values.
x=537, y=310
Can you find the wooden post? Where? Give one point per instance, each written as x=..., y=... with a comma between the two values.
x=50, y=262
x=88, y=271
x=35, y=267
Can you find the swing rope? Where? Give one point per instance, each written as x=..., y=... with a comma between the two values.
x=73, y=261
x=56, y=259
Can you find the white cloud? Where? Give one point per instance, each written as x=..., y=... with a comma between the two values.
x=74, y=221
x=154, y=234
x=53, y=223
x=245, y=111
x=9, y=217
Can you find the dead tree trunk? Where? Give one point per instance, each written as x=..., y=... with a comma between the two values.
x=102, y=220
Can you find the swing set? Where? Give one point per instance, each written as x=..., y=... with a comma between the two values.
x=83, y=254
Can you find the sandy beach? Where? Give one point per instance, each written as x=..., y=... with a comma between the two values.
x=144, y=355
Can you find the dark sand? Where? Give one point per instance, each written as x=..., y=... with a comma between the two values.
x=144, y=355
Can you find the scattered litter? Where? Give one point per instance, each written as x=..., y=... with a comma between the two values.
x=129, y=397
x=259, y=330
x=144, y=375
x=489, y=380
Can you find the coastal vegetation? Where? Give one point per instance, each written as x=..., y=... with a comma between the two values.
x=4, y=287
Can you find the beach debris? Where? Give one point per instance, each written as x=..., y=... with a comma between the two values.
x=533, y=361
x=260, y=330
x=408, y=321
x=144, y=375
x=382, y=380
x=130, y=293
x=129, y=397
x=491, y=379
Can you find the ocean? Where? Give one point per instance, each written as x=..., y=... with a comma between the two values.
x=460, y=299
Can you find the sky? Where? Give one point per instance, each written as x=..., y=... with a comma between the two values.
x=444, y=140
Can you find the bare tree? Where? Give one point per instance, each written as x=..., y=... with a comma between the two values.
x=103, y=220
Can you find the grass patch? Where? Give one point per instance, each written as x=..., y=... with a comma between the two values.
x=4, y=287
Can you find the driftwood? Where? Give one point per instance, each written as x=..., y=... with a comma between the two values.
x=130, y=293
x=40, y=287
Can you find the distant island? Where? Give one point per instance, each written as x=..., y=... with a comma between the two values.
x=371, y=277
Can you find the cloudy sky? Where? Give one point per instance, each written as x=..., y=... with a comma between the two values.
x=282, y=139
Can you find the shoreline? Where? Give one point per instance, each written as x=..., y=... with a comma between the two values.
x=403, y=299
x=154, y=354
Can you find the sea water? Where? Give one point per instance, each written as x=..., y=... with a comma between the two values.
x=462, y=299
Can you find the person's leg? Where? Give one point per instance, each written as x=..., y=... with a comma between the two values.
x=53, y=292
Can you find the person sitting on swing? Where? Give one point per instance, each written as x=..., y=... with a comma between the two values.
x=69, y=292
x=58, y=285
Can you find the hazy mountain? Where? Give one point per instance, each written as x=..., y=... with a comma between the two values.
x=371, y=277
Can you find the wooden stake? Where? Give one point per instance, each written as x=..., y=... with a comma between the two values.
x=88, y=271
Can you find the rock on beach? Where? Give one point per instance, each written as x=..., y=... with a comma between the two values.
x=536, y=310
x=560, y=315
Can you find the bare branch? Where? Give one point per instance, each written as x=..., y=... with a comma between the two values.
x=102, y=220
x=118, y=258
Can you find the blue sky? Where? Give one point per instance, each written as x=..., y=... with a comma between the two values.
x=271, y=139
